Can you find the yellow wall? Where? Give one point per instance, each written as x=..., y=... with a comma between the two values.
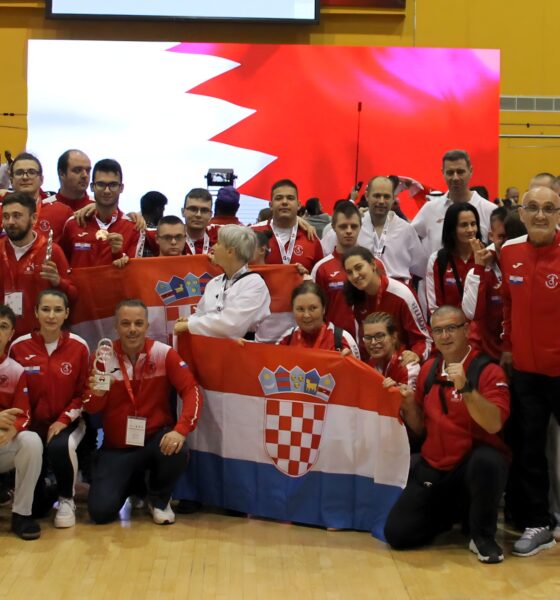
x=526, y=32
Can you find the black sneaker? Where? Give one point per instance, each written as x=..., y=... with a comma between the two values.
x=487, y=551
x=25, y=527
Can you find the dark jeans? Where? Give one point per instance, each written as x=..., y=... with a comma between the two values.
x=116, y=472
x=433, y=500
x=534, y=398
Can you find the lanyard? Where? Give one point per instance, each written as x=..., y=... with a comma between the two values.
x=106, y=225
x=286, y=255
x=497, y=272
x=205, y=244
x=126, y=379
x=24, y=265
x=379, y=241
x=226, y=284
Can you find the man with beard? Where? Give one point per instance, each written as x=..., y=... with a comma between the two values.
x=26, y=175
x=25, y=267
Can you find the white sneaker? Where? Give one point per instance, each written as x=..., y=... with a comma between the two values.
x=66, y=513
x=164, y=516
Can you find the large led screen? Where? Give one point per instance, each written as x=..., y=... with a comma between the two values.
x=251, y=10
x=315, y=114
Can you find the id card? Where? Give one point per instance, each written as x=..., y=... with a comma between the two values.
x=15, y=301
x=135, y=431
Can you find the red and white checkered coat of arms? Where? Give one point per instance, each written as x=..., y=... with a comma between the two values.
x=293, y=426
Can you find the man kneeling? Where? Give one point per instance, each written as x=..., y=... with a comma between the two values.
x=461, y=403
x=140, y=434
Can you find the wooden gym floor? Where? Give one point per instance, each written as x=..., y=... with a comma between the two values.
x=213, y=556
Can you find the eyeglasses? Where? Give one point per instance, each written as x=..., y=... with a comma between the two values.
x=172, y=238
x=196, y=210
x=26, y=173
x=533, y=209
x=449, y=329
x=102, y=185
x=378, y=337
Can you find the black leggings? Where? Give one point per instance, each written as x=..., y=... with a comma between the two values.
x=433, y=500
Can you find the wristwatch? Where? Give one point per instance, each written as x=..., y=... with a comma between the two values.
x=466, y=389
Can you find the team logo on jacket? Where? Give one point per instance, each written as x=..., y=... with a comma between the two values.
x=298, y=250
x=552, y=281
x=44, y=225
x=66, y=368
x=179, y=288
x=296, y=407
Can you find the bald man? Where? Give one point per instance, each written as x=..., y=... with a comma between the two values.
x=531, y=293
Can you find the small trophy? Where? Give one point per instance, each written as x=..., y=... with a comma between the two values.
x=48, y=254
x=103, y=355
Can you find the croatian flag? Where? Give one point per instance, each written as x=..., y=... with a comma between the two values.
x=170, y=287
x=293, y=434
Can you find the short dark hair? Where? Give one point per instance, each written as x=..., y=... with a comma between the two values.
x=23, y=198
x=448, y=308
x=107, y=165
x=170, y=220
x=26, y=156
x=499, y=214
x=453, y=155
x=52, y=292
x=151, y=201
x=131, y=303
x=309, y=287
x=225, y=208
x=263, y=238
x=200, y=193
x=282, y=183
x=313, y=206
x=7, y=313
x=346, y=208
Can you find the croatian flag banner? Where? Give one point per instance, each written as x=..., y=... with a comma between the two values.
x=294, y=434
x=170, y=287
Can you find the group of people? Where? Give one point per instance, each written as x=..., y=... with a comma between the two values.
x=434, y=306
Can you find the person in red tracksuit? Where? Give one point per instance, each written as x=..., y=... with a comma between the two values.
x=26, y=174
x=329, y=272
x=24, y=268
x=57, y=364
x=448, y=267
x=531, y=344
x=108, y=237
x=74, y=171
x=289, y=243
x=311, y=330
x=368, y=291
x=20, y=449
x=463, y=465
x=141, y=434
x=381, y=339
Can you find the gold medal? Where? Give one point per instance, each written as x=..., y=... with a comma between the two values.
x=102, y=235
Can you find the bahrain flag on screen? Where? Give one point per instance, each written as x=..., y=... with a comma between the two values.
x=267, y=111
x=414, y=104
x=294, y=434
